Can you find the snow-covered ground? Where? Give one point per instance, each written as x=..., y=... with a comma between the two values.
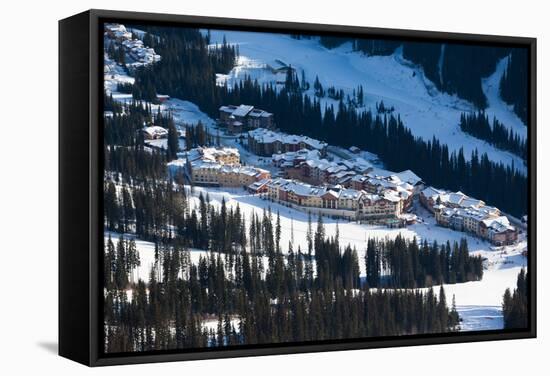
x=113, y=74
x=477, y=302
x=184, y=112
x=480, y=317
x=399, y=83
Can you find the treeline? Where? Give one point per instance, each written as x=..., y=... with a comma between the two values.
x=117, y=54
x=497, y=134
x=514, y=83
x=135, y=162
x=124, y=127
x=255, y=298
x=119, y=263
x=515, y=308
x=401, y=263
x=196, y=136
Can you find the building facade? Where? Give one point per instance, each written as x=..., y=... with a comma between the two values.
x=220, y=167
x=335, y=201
x=264, y=142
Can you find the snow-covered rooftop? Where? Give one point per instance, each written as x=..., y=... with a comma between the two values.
x=155, y=131
x=266, y=136
x=242, y=110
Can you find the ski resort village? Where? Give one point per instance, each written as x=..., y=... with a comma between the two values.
x=282, y=168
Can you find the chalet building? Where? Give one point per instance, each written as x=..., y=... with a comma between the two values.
x=264, y=142
x=293, y=159
x=225, y=156
x=140, y=53
x=429, y=198
x=259, y=186
x=235, y=127
x=134, y=48
x=245, y=116
x=499, y=231
x=154, y=132
x=219, y=167
x=375, y=207
x=386, y=183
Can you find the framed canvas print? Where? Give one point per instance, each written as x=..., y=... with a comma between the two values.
x=238, y=187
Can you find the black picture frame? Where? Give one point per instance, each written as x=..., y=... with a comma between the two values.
x=80, y=186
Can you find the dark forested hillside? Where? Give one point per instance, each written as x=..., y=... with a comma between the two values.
x=428, y=56
x=514, y=83
x=453, y=68
x=497, y=134
x=187, y=69
x=464, y=66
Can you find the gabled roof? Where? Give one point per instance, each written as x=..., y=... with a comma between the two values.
x=242, y=110
x=155, y=130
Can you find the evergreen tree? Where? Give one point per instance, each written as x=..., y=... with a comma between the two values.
x=173, y=142
x=515, y=308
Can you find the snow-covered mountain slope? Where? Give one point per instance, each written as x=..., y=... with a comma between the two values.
x=496, y=106
x=392, y=79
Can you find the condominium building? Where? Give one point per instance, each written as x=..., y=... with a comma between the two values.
x=264, y=142
x=237, y=117
x=220, y=167
x=225, y=156
x=335, y=201
x=216, y=174
x=463, y=213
